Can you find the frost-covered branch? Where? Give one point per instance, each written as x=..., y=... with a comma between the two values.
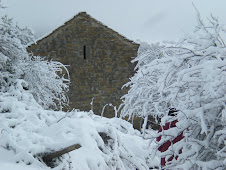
x=46, y=80
x=189, y=76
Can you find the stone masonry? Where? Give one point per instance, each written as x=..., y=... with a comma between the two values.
x=98, y=59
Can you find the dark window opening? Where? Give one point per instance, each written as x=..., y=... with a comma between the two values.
x=84, y=52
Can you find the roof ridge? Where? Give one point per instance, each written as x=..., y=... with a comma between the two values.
x=83, y=14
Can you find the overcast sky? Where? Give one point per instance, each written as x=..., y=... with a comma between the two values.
x=144, y=20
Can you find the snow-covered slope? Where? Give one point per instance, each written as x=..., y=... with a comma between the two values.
x=28, y=132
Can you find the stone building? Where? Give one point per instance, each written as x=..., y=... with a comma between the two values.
x=98, y=59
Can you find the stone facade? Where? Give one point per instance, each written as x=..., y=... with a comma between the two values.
x=98, y=59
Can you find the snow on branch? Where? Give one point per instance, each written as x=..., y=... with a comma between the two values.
x=48, y=81
x=190, y=76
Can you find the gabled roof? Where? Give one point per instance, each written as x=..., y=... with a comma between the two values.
x=85, y=15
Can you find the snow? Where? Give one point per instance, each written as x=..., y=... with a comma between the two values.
x=7, y=162
x=27, y=130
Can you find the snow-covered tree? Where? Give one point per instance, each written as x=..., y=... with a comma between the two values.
x=44, y=79
x=190, y=76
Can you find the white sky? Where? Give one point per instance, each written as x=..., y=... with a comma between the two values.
x=145, y=20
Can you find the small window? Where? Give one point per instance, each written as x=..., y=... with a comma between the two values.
x=84, y=52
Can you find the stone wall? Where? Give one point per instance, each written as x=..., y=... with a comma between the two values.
x=98, y=59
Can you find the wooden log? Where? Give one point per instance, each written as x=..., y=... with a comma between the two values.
x=47, y=158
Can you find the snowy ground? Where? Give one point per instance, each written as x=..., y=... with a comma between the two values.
x=27, y=131
x=125, y=150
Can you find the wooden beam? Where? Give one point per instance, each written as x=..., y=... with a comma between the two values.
x=47, y=158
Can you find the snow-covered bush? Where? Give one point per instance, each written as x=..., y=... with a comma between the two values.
x=12, y=50
x=190, y=76
x=44, y=79
x=47, y=82
x=143, y=96
x=27, y=132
